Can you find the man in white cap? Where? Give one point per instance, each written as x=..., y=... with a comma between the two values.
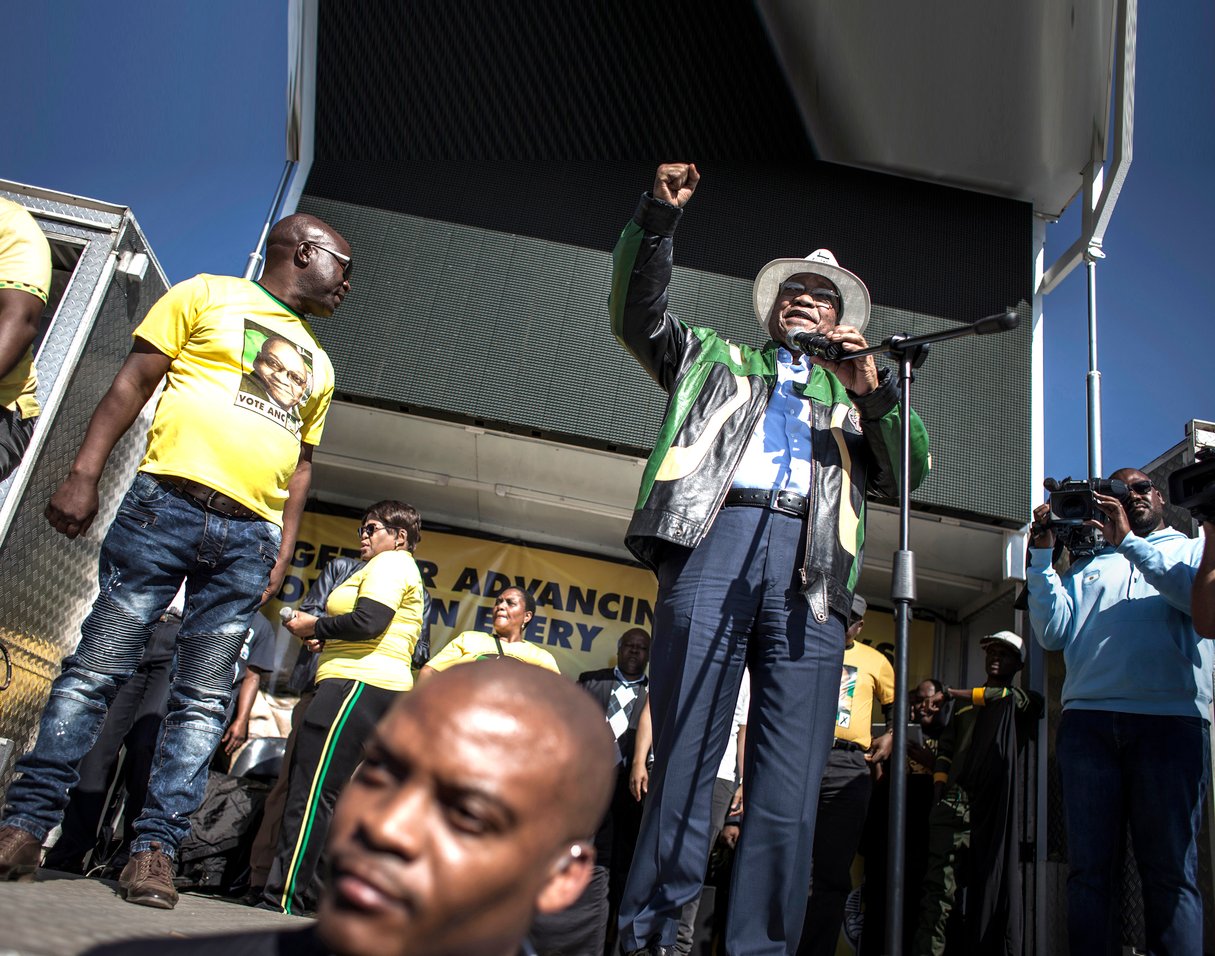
x=751, y=513
x=974, y=782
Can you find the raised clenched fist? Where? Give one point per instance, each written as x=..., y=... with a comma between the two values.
x=675, y=182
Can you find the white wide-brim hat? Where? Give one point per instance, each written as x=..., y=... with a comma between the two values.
x=854, y=296
x=1005, y=637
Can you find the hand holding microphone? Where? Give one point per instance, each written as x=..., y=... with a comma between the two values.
x=302, y=626
x=816, y=344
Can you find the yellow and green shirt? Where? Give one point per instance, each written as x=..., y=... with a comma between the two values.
x=390, y=578
x=474, y=646
x=226, y=418
x=867, y=674
x=25, y=265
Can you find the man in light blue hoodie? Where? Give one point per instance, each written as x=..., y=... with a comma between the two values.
x=1134, y=741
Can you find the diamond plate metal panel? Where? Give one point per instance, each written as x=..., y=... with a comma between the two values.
x=57, y=205
x=50, y=582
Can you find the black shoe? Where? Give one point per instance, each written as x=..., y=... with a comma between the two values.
x=252, y=896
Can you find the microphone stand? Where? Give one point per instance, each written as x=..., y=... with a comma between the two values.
x=910, y=353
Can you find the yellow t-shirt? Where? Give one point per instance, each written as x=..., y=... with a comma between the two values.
x=390, y=578
x=867, y=674
x=473, y=646
x=25, y=264
x=247, y=384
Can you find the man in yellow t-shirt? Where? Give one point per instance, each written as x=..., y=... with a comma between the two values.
x=216, y=503
x=843, y=798
x=25, y=280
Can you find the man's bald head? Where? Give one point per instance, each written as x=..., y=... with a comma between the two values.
x=290, y=231
x=307, y=264
x=1143, y=504
x=552, y=721
x=473, y=810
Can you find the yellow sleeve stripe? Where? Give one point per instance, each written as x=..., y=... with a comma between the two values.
x=977, y=696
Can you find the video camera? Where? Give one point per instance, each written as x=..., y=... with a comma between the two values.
x=1071, y=502
x=1193, y=488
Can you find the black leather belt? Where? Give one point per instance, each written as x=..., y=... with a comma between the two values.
x=209, y=498
x=838, y=744
x=786, y=502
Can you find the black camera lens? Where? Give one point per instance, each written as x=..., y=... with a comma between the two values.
x=1070, y=507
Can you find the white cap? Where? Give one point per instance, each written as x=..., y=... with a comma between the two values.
x=1005, y=637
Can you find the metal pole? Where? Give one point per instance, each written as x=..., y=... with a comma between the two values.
x=1093, y=379
x=911, y=353
x=255, y=257
x=902, y=593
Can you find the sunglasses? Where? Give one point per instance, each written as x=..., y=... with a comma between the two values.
x=819, y=296
x=1141, y=487
x=370, y=528
x=345, y=262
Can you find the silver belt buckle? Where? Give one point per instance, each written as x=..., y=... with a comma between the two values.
x=774, y=500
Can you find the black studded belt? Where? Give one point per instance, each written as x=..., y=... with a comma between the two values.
x=786, y=502
x=208, y=497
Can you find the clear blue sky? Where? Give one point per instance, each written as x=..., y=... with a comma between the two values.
x=177, y=110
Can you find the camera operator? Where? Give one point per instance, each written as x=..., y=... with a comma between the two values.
x=1134, y=741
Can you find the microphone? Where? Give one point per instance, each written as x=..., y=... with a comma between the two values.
x=286, y=613
x=1000, y=322
x=816, y=344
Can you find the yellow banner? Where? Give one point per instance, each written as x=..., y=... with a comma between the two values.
x=583, y=605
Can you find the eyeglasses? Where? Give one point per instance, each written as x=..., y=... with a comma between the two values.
x=370, y=528
x=278, y=368
x=1141, y=487
x=818, y=296
x=346, y=262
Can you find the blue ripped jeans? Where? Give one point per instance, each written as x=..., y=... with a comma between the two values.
x=159, y=537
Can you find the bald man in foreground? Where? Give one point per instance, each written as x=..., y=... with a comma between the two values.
x=216, y=503
x=474, y=809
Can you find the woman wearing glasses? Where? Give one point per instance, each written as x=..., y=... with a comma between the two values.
x=367, y=638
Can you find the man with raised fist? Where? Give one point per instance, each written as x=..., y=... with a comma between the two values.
x=752, y=515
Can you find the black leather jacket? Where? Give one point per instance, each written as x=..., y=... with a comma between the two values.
x=718, y=392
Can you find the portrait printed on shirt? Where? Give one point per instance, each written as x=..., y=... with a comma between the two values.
x=277, y=377
x=843, y=711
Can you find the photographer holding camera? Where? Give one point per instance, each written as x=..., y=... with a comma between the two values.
x=1134, y=741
